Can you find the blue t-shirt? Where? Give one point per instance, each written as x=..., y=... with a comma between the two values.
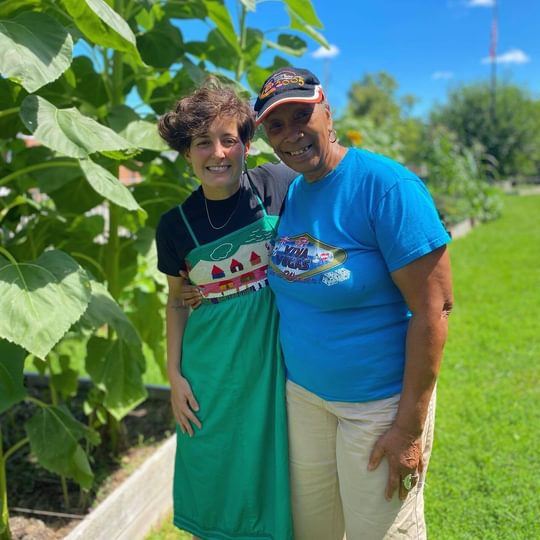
x=343, y=322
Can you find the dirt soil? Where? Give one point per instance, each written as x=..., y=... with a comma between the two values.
x=35, y=497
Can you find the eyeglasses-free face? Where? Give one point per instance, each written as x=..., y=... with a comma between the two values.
x=299, y=134
x=217, y=158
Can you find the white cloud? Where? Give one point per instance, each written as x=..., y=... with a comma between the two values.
x=442, y=75
x=323, y=52
x=481, y=3
x=513, y=56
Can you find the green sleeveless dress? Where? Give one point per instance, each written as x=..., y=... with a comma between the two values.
x=231, y=479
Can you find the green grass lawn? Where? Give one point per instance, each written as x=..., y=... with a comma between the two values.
x=168, y=532
x=484, y=477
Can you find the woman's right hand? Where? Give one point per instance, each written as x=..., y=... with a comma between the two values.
x=184, y=404
x=191, y=295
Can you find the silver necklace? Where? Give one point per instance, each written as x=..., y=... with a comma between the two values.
x=230, y=217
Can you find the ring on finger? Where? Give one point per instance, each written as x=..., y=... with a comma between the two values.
x=410, y=481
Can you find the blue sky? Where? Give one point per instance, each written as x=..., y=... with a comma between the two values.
x=428, y=46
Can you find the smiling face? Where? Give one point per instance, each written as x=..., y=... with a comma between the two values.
x=299, y=134
x=217, y=157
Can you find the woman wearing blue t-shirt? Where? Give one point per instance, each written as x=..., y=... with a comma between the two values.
x=361, y=275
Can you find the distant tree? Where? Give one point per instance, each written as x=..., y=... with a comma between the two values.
x=377, y=119
x=375, y=96
x=510, y=133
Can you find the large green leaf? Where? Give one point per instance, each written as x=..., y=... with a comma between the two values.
x=145, y=135
x=161, y=46
x=50, y=174
x=90, y=85
x=220, y=52
x=8, y=8
x=289, y=44
x=41, y=299
x=195, y=73
x=20, y=205
x=303, y=9
x=299, y=24
x=219, y=15
x=186, y=9
x=65, y=382
x=75, y=197
x=54, y=438
x=70, y=133
x=151, y=329
x=120, y=116
x=254, y=45
x=34, y=49
x=104, y=310
x=102, y=25
x=11, y=95
x=11, y=374
x=117, y=368
x=108, y=185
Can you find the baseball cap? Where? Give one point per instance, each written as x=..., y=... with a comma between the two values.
x=287, y=85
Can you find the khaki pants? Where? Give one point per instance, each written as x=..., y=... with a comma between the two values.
x=332, y=491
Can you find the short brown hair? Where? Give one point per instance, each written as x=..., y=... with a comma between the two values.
x=194, y=113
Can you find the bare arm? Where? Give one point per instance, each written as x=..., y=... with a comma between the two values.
x=427, y=289
x=183, y=402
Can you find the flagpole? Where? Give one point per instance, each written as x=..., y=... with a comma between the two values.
x=493, y=55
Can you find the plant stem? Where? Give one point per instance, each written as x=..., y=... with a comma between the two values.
x=113, y=249
x=8, y=256
x=9, y=112
x=90, y=260
x=65, y=491
x=37, y=402
x=15, y=447
x=242, y=42
x=113, y=243
x=47, y=165
x=5, y=533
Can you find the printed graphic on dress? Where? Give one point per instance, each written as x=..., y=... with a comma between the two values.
x=303, y=258
x=231, y=271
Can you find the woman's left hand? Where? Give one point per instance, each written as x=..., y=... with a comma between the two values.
x=191, y=295
x=404, y=454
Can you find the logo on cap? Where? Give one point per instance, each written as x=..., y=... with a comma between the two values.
x=277, y=81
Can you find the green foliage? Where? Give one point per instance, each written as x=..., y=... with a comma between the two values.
x=456, y=177
x=43, y=54
x=28, y=291
x=116, y=368
x=483, y=477
x=376, y=119
x=374, y=96
x=11, y=374
x=508, y=129
x=77, y=264
x=168, y=531
x=365, y=133
x=54, y=434
x=69, y=132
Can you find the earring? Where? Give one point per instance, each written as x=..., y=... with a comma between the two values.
x=332, y=136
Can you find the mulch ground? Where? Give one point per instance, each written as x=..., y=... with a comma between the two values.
x=35, y=497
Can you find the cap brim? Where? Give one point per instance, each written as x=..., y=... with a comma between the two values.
x=293, y=96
